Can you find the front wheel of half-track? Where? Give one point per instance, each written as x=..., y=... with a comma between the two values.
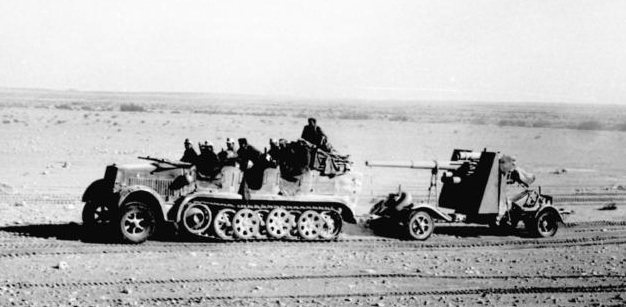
x=137, y=222
x=97, y=216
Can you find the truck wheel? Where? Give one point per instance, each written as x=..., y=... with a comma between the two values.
x=137, y=222
x=545, y=225
x=97, y=216
x=420, y=225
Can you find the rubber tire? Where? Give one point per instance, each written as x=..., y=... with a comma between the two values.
x=534, y=225
x=89, y=220
x=149, y=226
x=424, y=217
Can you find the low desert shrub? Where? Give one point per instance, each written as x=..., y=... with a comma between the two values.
x=512, y=122
x=64, y=107
x=621, y=127
x=588, y=125
x=131, y=107
x=354, y=115
x=541, y=124
x=399, y=118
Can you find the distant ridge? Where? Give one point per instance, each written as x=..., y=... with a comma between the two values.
x=252, y=98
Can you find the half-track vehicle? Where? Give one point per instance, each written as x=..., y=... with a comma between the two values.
x=134, y=200
x=478, y=187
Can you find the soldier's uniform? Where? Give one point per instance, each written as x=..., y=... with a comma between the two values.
x=190, y=155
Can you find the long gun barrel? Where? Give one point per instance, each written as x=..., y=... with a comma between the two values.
x=442, y=165
x=166, y=161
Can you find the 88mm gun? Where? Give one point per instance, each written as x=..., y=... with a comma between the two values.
x=475, y=189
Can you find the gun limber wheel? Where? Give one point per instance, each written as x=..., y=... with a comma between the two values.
x=420, y=225
x=246, y=224
x=97, y=215
x=309, y=225
x=222, y=225
x=332, y=225
x=279, y=223
x=545, y=225
x=197, y=219
x=137, y=222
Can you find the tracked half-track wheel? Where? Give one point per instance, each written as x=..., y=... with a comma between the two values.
x=222, y=225
x=331, y=226
x=293, y=226
x=197, y=219
x=263, y=214
x=279, y=223
x=310, y=224
x=246, y=224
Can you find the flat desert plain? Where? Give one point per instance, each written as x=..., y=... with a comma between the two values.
x=54, y=144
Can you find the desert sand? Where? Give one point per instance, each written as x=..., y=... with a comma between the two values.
x=53, y=145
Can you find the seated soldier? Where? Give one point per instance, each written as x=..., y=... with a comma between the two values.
x=208, y=166
x=273, y=154
x=190, y=154
x=228, y=157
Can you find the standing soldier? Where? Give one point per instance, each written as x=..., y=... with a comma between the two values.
x=250, y=163
x=313, y=133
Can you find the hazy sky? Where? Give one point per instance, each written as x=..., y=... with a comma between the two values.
x=523, y=50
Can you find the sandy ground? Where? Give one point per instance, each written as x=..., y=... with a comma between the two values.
x=48, y=156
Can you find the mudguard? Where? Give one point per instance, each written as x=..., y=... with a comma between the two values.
x=551, y=209
x=97, y=190
x=433, y=211
x=347, y=214
x=154, y=200
x=180, y=206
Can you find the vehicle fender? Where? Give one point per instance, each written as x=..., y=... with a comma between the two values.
x=549, y=209
x=99, y=189
x=433, y=211
x=145, y=195
x=346, y=213
x=179, y=207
